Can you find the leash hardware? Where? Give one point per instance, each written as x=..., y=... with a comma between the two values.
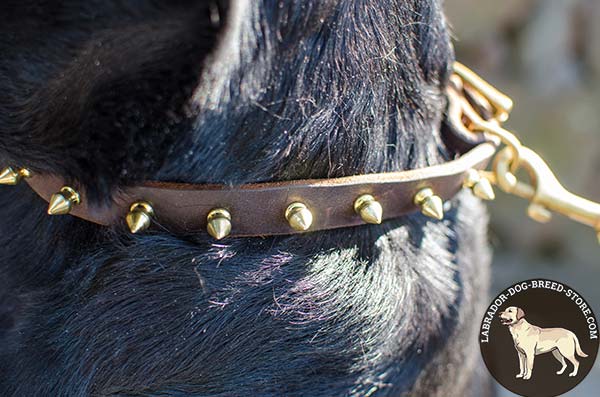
x=472, y=99
x=545, y=193
x=501, y=103
x=463, y=115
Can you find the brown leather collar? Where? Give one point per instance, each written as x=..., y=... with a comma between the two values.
x=259, y=209
x=475, y=115
x=290, y=207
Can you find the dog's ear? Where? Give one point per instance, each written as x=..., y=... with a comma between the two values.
x=106, y=96
x=520, y=313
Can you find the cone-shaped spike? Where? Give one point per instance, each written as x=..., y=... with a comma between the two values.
x=139, y=217
x=219, y=223
x=430, y=204
x=219, y=228
x=433, y=207
x=480, y=185
x=59, y=205
x=369, y=209
x=138, y=221
x=299, y=217
x=484, y=190
x=372, y=213
x=8, y=176
x=62, y=203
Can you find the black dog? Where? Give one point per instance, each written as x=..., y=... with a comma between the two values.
x=113, y=93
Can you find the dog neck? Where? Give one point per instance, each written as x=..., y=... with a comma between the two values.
x=326, y=115
x=520, y=324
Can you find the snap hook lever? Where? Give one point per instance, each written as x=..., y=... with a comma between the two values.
x=545, y=193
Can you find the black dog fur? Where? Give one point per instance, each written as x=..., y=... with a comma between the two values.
x=112, y=93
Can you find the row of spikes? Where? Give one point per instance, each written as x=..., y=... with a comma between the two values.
x=297, y=214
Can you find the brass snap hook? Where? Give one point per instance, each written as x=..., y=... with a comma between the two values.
x=545, y=193
x=467, y=87
x=475, y=106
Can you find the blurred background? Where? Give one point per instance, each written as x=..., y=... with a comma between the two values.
x=545, y=54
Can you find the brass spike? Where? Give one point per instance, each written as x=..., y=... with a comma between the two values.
x=369, y=209
x=484, y=190
x=25, y=173
x=219, y=223
x=62, y=203
x=430, y=204
x=139, y=217
x=8, y=176
x=480, y=185
x=299, y=216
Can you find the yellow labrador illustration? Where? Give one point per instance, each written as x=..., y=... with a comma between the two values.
x=531, y=340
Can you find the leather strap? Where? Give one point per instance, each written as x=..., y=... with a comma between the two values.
x=258, y=209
